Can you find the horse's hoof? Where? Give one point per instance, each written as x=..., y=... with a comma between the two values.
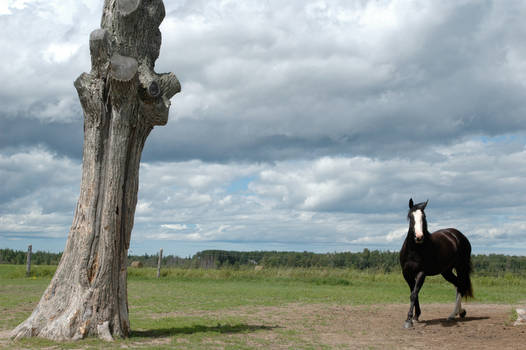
x=408, y=324
x=462, y=313
x=451, y=318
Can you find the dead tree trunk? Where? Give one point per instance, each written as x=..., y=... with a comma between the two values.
x=123, y=99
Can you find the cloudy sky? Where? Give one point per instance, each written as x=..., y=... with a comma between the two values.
x=301, y=125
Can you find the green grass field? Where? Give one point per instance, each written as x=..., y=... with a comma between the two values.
x=196, y=309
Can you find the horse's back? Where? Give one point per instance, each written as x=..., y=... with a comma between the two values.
x=451, y=245
x=452, y=238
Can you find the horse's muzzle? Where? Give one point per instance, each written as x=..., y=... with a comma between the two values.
x=419, y=240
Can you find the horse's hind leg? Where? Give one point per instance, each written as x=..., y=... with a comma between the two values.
x=458, y=310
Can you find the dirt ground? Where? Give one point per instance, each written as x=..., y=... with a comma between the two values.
x=484, y=327
x=381, y=327
x=315, y=326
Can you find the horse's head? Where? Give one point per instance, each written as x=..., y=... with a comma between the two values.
x=417, y=220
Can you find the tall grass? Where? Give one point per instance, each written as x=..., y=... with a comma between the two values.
x=19, y=271
x=320, y=276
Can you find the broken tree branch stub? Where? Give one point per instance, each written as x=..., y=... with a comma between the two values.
x=28, y=260
x=122, y=98
x=159, y=263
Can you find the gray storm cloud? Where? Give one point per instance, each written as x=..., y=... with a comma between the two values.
x=272, y=81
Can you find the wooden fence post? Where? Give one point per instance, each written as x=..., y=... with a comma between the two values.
x=28, y=266
x=159, y=263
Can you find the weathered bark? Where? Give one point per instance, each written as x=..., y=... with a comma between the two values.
x=122, y=99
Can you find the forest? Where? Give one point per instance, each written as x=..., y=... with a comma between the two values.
x=373, y=260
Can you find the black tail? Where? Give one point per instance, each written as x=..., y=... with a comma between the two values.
x=464, y=269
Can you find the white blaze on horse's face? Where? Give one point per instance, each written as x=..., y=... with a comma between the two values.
x=418, y=228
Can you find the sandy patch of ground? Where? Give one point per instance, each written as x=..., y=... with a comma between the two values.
x=381, y=327
x=486, y=326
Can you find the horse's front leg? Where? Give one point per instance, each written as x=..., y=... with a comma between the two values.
x=419, y=281
x=417, y=310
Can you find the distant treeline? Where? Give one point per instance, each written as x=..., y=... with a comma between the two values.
x=386, y=261
x=18, y=257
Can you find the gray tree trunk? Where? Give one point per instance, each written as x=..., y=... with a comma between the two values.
x=123, y=99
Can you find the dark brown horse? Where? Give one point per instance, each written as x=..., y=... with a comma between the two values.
x=427, y=254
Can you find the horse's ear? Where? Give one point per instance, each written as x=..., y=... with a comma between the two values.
x=425, y=204
x=411, y=204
